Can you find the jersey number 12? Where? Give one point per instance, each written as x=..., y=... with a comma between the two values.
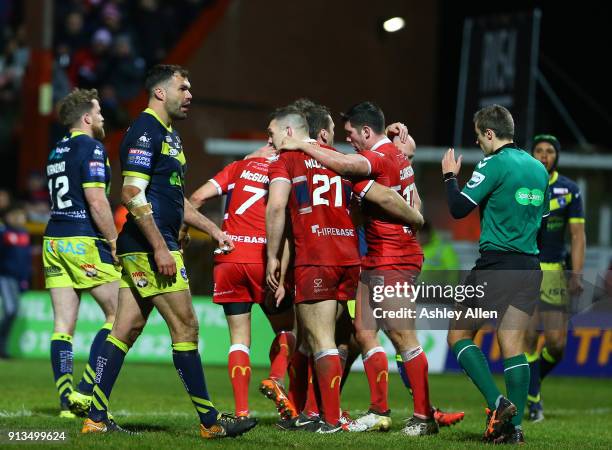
x=61, y=189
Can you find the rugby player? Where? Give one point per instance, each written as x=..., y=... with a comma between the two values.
x=552, y=309
x=153, y=167
x=511, y=189
x=79, y=244
x=395, y=256
x=318, y=201
x=240, y=277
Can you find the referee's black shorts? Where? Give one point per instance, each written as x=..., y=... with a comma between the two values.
x=505, y=278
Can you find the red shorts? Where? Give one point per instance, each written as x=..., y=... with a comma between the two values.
x=390, y=274
x=235, y=282
x=316, y=283
x=410, y=262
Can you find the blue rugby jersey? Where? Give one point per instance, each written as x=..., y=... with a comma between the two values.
x=153, y=151
x=565, y=207
x=76, y=162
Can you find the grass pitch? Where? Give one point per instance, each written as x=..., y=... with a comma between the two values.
x=150, y=399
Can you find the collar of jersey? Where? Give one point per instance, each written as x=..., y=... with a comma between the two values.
x=75, y=134
x=509, y=145
x=154, y=114
x=553, y=178
x=383, y=141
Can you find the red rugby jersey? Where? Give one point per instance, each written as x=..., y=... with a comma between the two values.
x=246, y=184
x=323, y=231
x=389, y=241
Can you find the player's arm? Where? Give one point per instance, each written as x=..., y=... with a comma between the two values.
x=394, y=205
x=204, y=193
x=347, y=165
x=417, y=200
x=278, y=196
x=577, y=243
x=198, y=220
x=102, y=216
x=458, y=204
x=285, y=261
x=397, y=129
x=134, y=199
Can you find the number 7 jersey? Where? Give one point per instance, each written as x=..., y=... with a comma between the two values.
x=244, y=220
x=323, y=231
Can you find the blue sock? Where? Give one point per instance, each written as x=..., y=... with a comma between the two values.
x=189, y=367
x=108, y=365
x=402, y=372
x=61, y=362
x=87, y=380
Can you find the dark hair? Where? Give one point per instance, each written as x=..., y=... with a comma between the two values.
x=552, y=140
x=290, y=115
x=365, y=113
x=161, y=73
x=75, y=104
x=496, y=118
x=317, y=116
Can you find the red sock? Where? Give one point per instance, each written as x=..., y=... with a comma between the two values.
x=280, y=354
x=311, y=407
x=239, y=369
x=377, y=370
x=415, y=365
x=298, y=379
x=329, y=377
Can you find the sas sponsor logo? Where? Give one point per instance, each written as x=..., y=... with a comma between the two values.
x=184, y=273
x=90, y=270
x=140, y=279
x=525, y=196
x=52, y=271
x=61, y=246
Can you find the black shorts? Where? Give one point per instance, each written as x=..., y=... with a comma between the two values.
x=235, y=308
x=505, y=278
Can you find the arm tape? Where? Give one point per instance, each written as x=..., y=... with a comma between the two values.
x=138, y=205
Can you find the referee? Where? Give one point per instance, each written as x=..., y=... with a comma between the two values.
x=511, y=189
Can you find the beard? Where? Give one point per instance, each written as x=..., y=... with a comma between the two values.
x=176, y=113
x=98, y=132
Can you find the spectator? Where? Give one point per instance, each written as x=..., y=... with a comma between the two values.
x=88, y=68
x=128, y=69
x=15, y=269
x=37, y=199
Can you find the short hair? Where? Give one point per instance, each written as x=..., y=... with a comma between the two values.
x=365, y=114
x=75, y=104
x=496, y=118
x=291, y=116
x=317, y=116
x=161, y=73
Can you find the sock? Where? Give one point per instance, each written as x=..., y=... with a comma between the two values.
x=329, y=376
x=547, y=363
x=61, y=362
x=377, y=371
x=416, y=367
x=534, y=376
x=86, y=384
x=280, y=354
x=516, y=375
x=108, y=365
x=475, y=365
x=298, y=379
x=313, y=396
x=402, y=372
x=239, y=368
x=189, y=368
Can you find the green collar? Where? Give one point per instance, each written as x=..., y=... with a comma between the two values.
x=154, y=114
x=76, y=133
x=553, y=178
